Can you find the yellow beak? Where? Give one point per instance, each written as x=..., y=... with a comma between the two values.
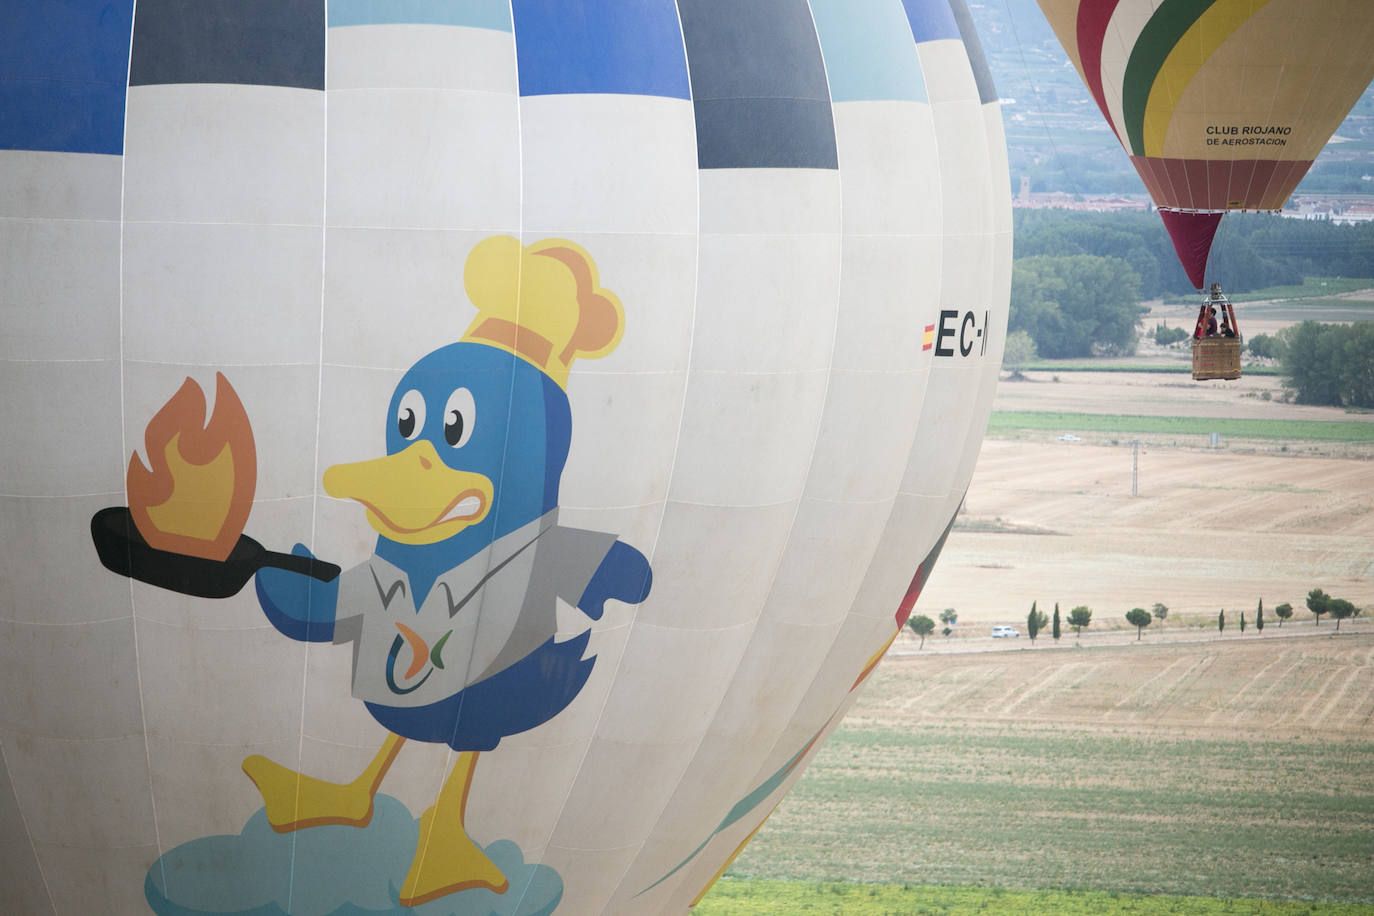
x=412, y=496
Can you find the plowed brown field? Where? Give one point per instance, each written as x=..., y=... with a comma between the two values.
x=1254, y=687
x=1211, y=528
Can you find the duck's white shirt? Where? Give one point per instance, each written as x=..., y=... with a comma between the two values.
x=483, y=615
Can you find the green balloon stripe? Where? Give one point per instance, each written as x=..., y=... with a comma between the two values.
x=1169, y=23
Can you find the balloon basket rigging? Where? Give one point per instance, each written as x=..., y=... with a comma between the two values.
x=1216, y=358
x=1216, y=347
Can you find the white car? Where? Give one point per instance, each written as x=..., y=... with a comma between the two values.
x=1069, y=437
x=1002, y=632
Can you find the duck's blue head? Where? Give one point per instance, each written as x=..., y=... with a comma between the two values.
x=476, y=440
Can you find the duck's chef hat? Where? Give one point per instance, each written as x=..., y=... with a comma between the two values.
x=542, y=302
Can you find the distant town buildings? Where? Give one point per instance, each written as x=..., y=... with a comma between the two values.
x=1062, y=200
x=1339, y=210
x=1347, y=209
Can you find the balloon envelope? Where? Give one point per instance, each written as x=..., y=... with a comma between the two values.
x=630, y=361
x=1220, y=104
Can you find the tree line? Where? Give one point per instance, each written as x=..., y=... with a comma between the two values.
x=1251, y=250
x=1326, y=364
x=1078, y=278
x=1319, y=603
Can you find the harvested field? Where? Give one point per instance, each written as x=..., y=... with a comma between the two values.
x=1303, y=688
x=1220, y=768
x=1207, y=531
x=1160, y=395
x=1211, y=528
x=1190, y=761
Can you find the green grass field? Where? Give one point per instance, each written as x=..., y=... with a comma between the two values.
x=1003, y=421
x=1311, y=287
x=743, y=897
x=1319, y=309
x=1079, y=810
x=1203, y=778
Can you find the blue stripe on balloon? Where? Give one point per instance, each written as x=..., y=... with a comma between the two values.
x=868, y=50
x=478, y=14
x=973, y=47
x=62, y=73
x=758, y=85
x=255, y=42
x=931, y=20
x=631, y=47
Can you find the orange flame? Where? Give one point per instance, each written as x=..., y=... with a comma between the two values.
x=196, y=498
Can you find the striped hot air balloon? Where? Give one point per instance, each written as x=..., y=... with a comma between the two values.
x=616, y=369
x=1220, y=104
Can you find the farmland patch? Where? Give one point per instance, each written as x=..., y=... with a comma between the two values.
x=1234, y=770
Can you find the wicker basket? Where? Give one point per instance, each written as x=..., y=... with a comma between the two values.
x=1216, y=357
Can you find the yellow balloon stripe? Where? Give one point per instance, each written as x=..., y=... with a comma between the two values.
x=1187, y=57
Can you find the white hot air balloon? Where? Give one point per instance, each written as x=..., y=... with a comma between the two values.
x=615, y=369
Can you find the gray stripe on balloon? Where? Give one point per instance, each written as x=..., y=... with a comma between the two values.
x=254, y=42
x=758, y=85
x=973, y=47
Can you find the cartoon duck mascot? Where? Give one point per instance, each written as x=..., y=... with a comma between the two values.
x=452, y=619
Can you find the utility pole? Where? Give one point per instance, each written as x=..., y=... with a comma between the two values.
x=1135, y=468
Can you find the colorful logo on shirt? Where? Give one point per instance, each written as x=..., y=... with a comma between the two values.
x=420, y=652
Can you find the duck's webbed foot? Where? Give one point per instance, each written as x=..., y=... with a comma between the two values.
x=446, y=858
x=294, y=801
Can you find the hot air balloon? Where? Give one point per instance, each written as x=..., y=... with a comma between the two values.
x=1220, y=104
x=463, y=456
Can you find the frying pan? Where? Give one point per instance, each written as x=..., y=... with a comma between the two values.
x=123, y=550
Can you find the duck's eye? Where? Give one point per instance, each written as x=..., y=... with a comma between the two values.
x=410, y=416
x=459, y=415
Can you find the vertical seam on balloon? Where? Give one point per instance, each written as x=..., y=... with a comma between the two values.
x=1273, y=174
x=975, y=53
x=520, y=232
x=1160, y=169
x=451, y=755
x=24, y=820
x=1114, y=79
x=1312, y=84
x=667, y=493
x=1090, y=65
x=848, y=699
x=319, y=405
x=754, y=624
x=1180, y=67
x=1187, y=185
x=1230, y=176
x=777, y=742
x=124, y=443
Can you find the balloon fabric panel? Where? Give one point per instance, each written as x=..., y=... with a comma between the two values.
x=479, y=14
x=633, y=48
x=62, y=73
x=973, y=47
x=1166, y=28
x=758, y=85
x=203, y=42
x=1221, y=104
x=867, y=48
x=931, y=20
x=783, y=202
